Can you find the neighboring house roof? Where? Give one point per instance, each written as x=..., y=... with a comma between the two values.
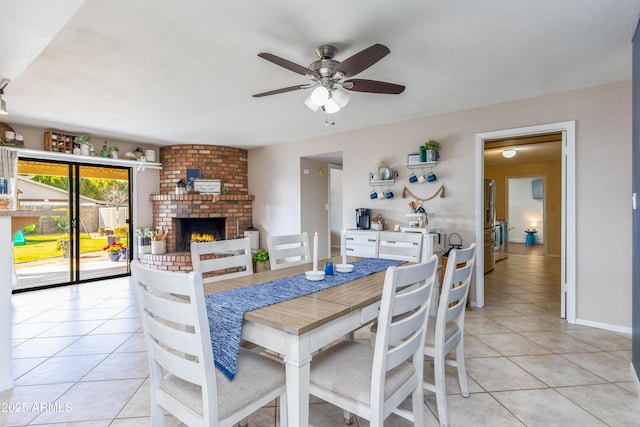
x=37, y=191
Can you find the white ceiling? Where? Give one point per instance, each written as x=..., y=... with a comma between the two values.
x=167, y=72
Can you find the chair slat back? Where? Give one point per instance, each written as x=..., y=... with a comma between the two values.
x=222, y=259
x=288, y=250
x=176, y=330
x=455, y=288
x=402, y=321
x=400, y=246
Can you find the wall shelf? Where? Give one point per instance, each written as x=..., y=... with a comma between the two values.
x=421, y=165
x=25, y=153
x=375, y=182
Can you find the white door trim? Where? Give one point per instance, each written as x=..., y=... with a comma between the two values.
x=568, y=200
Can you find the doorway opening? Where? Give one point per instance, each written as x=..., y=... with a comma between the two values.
x=564, y=223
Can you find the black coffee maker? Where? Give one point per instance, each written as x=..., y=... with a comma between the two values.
x=363, y=219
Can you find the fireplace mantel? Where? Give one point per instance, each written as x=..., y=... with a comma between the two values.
x=204, y=197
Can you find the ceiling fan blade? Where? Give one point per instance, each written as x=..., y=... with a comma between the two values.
x=362, y=60
x=373, y=86
x=283, y=90
x=291, y=66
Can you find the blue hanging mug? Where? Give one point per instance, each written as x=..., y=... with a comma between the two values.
x=432, y=177
x=388, y=194
x=373, y=194
x=413, y=178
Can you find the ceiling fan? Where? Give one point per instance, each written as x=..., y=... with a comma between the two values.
x=328, y=77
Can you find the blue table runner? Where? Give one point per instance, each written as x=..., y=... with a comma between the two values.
x=225, y=310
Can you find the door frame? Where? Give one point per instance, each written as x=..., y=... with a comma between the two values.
x=568, y=278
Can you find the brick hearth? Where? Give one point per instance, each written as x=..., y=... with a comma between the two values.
x=227, y=164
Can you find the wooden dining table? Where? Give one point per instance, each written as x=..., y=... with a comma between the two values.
x=299, y=327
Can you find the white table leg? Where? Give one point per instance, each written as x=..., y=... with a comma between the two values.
x=297, y=361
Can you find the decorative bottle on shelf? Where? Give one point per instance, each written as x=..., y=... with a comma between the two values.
x=105, y=150
x=423, y=154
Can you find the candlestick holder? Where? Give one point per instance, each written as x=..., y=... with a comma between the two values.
x=314, y=275
x=344, y=268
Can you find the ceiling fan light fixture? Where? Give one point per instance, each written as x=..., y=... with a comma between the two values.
x=508, y=153
x=341, y=97
x=331, y=106
x=312, y=105
x=320, y=95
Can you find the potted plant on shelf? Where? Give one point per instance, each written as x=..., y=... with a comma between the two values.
x=144, y=239
x=84, y=142
x=260, y=259
x=105, y=150
x=114, y=151
x=432, y=146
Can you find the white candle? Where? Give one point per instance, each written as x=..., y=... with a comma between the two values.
x=343, y=244
x=315, y=252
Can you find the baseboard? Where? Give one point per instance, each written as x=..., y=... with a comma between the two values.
x=605, y=326
x=6, y=385
x=636, y=380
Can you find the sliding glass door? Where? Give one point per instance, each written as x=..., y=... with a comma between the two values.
x=83, y=232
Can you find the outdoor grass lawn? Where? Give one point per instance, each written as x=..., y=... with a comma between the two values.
x=44, y=246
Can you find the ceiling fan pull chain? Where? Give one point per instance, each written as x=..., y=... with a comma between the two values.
x=326, y=119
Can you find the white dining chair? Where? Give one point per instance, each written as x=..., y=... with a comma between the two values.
x=447, y=331
x=222, y=259
x=372, y=383
x=400, y=246
x=288, y=250
x=184, y=381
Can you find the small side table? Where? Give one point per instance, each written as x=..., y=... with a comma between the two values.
x=531, y=237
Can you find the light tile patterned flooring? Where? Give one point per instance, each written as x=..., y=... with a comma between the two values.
x=79, y=360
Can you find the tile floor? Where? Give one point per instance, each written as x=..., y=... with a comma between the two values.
x=79, y=360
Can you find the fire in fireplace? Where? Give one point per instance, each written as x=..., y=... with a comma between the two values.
x=204, y=229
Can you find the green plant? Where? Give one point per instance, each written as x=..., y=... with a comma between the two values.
x=62, y=245
x=82, y=139
x=260, y=256
x=144, y=232
x=432, y=144
x=224, y=190
x=114, y=148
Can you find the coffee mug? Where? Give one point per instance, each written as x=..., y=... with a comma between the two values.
x=388, y=194
x=422, y=178
x=373, y=194
x=328, y=268
x=413, y=178
x=431, y=177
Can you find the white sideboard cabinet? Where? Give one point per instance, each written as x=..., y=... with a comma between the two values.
x=364, y=243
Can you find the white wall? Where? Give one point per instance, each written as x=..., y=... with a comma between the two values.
x=602, y=114
x=523, y=209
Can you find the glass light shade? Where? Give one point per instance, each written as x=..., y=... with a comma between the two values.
x=341, y=97
x=508, y=153
x=534, y=224
x=312, y=105
x=3, y=107
x=320, y=95
x=331, y=106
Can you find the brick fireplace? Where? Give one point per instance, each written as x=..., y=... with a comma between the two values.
x=232, y=210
